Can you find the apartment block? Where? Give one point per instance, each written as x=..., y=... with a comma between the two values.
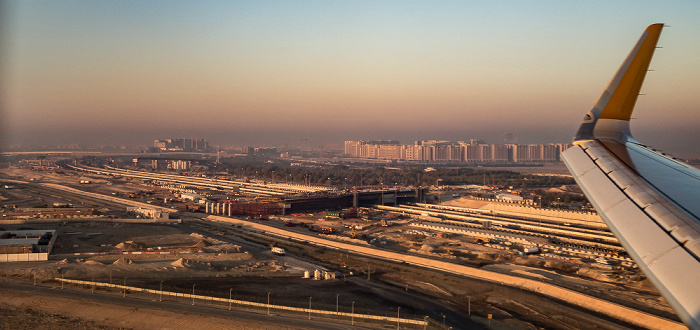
x=440, y=151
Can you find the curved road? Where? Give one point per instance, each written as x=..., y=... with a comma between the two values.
x=624, y=313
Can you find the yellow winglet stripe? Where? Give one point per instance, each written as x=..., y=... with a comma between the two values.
x=623, y=99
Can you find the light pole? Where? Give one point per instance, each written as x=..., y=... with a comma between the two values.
x=443, y=319
x=310, y=307
x=193, y=293
x=336, y=302
x=540, y=209
x=382, y=203
x=229, y=298
x=398, y=318
x=346, y=183
x=268, y=303
x=124, y=286
x=161, y=291
x=352, y=317
x=469, y=305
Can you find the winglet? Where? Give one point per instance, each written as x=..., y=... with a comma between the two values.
x=610, y=116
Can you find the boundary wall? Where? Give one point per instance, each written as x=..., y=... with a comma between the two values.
x=24, y=257
x=396, y=320
x=124, y=220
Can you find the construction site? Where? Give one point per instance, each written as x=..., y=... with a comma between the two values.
x=364, y=262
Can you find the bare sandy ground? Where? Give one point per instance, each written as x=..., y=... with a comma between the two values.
x=75, y=314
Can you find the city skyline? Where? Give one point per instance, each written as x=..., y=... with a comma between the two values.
x=273, y=73
x=455, y=152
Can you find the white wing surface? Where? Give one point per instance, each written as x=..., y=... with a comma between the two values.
x=650, y=201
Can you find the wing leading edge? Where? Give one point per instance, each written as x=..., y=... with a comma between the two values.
x=649, y=200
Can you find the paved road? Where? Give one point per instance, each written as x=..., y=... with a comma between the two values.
x=272, y=320
x=435, y=310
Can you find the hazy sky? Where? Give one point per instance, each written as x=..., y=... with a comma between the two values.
x=274, y=72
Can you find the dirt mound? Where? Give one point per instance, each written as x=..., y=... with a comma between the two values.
x=192, y=264
x=129, y=246
x=276, y=266
x=486, y=256
x=228, y=248
x=92, y=262
x=202, y=243
x=123, y=261
x=195, y=235
x=426, y=248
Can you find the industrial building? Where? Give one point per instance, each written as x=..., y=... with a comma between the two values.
x=148, y=213
x=26, y=245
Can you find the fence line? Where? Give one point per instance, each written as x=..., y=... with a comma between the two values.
x=250, y=303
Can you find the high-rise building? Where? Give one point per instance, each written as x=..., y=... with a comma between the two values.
x=441, y=151
x=184, y=144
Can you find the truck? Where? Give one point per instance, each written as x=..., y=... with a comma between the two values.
x=277, y=250
x=531, y=249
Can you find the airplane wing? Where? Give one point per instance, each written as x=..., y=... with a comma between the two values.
x=650, y=201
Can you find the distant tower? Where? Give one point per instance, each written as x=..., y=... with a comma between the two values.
x=510, y=138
